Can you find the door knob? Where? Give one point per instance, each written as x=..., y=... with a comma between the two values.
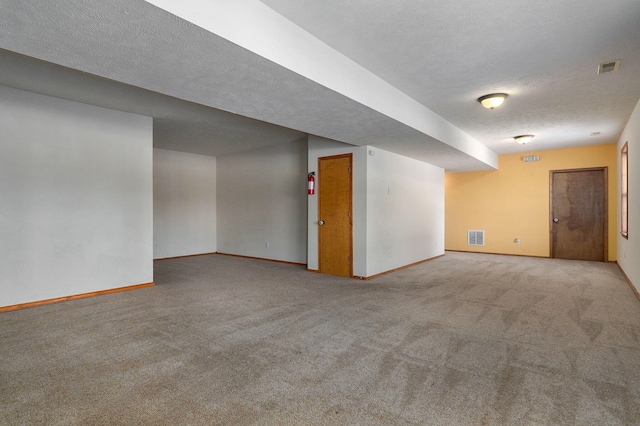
x=555, y=220
x=321, y=222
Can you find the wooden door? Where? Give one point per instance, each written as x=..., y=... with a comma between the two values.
x=334, y=216
x=578, y=219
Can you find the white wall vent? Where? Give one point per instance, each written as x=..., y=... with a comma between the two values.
x=475, y=238
x=608, y=66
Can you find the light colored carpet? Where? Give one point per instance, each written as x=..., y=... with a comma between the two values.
x=466, y=339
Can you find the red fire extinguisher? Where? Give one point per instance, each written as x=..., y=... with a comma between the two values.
x=312, y=183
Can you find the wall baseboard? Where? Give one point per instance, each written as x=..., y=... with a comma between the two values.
x=500, y=254
x=370, y=277
x=262, y=258
x=73, y=297
x=187, y=255
x=626, y=277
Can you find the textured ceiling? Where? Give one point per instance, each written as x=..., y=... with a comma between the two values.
x=210, y=96
x=178, y=125
x=545, y=54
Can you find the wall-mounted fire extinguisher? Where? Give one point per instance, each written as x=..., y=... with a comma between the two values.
x=312, y=183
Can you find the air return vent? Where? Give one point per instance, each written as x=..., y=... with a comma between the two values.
x=475, y=238
x=608, y=66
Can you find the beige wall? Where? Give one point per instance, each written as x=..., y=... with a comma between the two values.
x=513, y=201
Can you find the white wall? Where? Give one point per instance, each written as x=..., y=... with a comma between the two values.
x=262, y=199
x=321, y=147
x=77, y=210
x=629, y=250
x=184, y=204
x=405, y=211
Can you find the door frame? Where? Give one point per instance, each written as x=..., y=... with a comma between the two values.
x=605, y=171
x=331, y=157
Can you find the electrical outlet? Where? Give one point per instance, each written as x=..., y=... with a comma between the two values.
x=267, y=244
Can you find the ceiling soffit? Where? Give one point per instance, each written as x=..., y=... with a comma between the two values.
x=140, y=45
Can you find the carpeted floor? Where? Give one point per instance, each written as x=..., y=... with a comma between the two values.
x=466, y=339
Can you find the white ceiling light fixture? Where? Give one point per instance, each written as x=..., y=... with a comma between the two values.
x=492, y=100
x=522, y=139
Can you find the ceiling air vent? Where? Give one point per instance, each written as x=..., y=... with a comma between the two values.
x=608, y=67
x=475, y=238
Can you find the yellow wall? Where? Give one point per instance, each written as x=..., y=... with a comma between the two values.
x=513, y=201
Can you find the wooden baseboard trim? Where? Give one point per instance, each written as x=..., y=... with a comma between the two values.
x=74, y=297
x=499, y=254
x=313, y=270
x=626, y=277
x=396, y=269
x=262, y=258
x=188, y=255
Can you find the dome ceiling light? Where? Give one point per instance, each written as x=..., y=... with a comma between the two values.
x=522, y=139
x=492, y=100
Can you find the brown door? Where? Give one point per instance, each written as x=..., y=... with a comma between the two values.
x=334, y=215
x=579, y=214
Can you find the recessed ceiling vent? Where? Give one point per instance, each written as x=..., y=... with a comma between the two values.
x=608, y=67
x=475, y=238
